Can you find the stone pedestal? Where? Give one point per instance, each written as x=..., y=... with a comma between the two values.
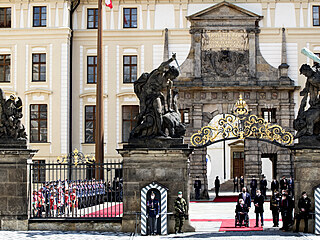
x=168, y=166
x=307, y=169
x=14, y=188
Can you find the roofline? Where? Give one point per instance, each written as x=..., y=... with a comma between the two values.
x=193, y=16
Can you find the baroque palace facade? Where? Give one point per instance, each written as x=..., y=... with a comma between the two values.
x=48, y=58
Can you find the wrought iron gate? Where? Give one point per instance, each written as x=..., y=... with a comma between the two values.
x=76, y=189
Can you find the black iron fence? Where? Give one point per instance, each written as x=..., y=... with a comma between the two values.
x=76, y=190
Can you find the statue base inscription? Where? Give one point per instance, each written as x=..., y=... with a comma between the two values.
x=141, y=166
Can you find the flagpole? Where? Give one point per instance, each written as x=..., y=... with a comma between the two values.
x=99, y=128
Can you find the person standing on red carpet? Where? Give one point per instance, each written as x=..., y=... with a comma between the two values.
x=217, y=186
x=258, y=203
x=246, y=197
x=241, y=182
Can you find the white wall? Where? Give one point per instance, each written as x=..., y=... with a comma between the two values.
x=272, y=54
x=285, y=15
x=267, y=170
x=182, y=51
x=164, y=16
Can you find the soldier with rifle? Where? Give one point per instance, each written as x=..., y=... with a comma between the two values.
x=180, y=207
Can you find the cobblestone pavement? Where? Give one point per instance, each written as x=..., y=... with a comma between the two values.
x=54, y=235
x=204, y=229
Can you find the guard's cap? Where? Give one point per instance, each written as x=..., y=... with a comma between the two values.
x=179, y=192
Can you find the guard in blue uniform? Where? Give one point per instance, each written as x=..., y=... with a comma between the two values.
x=153, y=210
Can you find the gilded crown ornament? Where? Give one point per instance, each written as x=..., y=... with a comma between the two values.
x=76, y=157
x=241, y=125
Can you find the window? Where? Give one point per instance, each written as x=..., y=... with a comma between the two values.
x=92, y=20
x=269, y=115
x=5, y=17
x=316, y=10
x=4, y=68
x=39, y=67
x=185, y=116
x=39, y=16
x=129, y=17
x=38, y=123
x=92, y=69
x=90, y=123
x=129, y=69
x=39, y=171
x=128, y=120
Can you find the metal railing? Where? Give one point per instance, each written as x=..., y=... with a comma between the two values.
x=76, y=191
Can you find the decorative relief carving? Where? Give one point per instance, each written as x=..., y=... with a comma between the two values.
x=225, y=63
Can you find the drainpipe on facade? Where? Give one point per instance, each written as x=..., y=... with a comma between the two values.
x=74, y=5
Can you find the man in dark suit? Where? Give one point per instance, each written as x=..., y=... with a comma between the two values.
x=217, y=186
x=274, y=186
x=290, y=187
x=253, y=186
x=283, y=183
x=235, y=184
x=258, y=203
x=284, y=209
x=241, y=182
x=197, y=187
x=246, y=197
x=274, y=207
x=304, y=206
x=263, y=186
x=241, y=211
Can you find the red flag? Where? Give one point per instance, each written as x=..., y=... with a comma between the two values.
x=109, y=3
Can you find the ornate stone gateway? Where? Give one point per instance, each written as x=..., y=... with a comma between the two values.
x=225, y=61
x=241, y=125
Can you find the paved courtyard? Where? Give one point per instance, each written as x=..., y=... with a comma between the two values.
x=205, y=217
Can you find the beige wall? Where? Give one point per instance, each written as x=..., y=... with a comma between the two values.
x=146, y=42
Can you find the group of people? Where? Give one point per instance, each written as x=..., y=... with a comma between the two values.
x=282, y=201
x=244, y=205
x=65, y=197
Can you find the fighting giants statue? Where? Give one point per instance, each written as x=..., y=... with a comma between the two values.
x=158, y=114
x=10, y=115
x=308, y=120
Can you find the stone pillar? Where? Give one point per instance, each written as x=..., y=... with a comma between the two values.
x=168, y=166
x=14, y=188
x=252, y=161
x=306, y=169
x=252, y=53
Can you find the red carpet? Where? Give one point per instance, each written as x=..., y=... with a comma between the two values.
x=113, y=211
x=228, y=225
x=226, y=199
